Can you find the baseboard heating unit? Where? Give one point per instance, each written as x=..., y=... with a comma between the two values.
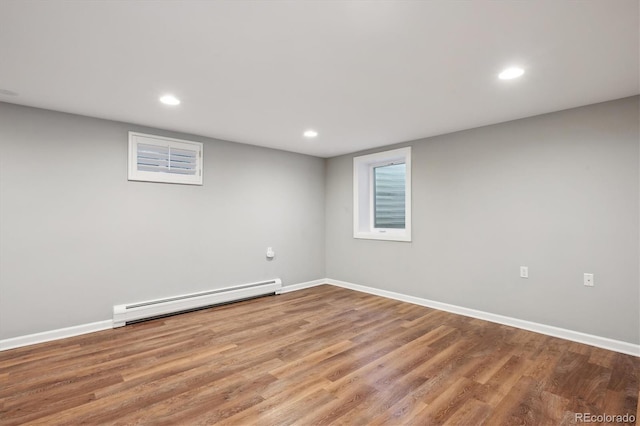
x=133, y=312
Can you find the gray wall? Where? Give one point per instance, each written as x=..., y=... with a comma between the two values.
x=76, y=237
x=558, y=193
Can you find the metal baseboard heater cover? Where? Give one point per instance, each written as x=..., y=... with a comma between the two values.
x=122, y=314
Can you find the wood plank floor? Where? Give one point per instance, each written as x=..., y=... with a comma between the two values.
x=324, y=355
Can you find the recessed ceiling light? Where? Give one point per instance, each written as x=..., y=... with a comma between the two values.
x=310, y=134
x=511, y=73
x=170, y=100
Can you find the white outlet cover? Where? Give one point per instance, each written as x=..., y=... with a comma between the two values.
x=588, y=280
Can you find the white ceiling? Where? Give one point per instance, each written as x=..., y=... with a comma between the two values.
x=361, y=73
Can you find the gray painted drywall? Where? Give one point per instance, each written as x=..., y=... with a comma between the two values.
x=558, y=193
x=76, y=237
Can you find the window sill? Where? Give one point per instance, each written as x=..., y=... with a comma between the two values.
x=401, y=237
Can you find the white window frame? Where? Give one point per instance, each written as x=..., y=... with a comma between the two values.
x=145, y=176
x=363, y=203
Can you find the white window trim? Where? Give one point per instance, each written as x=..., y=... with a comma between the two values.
x=363, y=222
x=137, y=175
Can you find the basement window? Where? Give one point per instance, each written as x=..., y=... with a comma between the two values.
x=382, y=195
x=159, y=159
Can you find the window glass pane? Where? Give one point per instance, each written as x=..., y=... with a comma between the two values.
x=389, y=196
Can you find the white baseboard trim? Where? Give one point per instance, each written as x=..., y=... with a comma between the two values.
x=61, y=333
x=302, y=286
x=575, y=336
x=47, y=336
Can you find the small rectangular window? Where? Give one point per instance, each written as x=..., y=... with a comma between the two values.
x=382, y=195
x=160, y=159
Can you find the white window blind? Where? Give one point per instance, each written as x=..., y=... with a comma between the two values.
x=389, y=196
x=160, y=159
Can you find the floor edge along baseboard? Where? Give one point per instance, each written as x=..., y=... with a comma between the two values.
x=575, y=336
x=562, y=333
x=60, y=333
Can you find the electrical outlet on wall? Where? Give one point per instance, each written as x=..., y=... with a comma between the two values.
x=588, y=280
x=524, y=272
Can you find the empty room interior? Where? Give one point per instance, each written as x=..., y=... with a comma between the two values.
x=311, y=212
